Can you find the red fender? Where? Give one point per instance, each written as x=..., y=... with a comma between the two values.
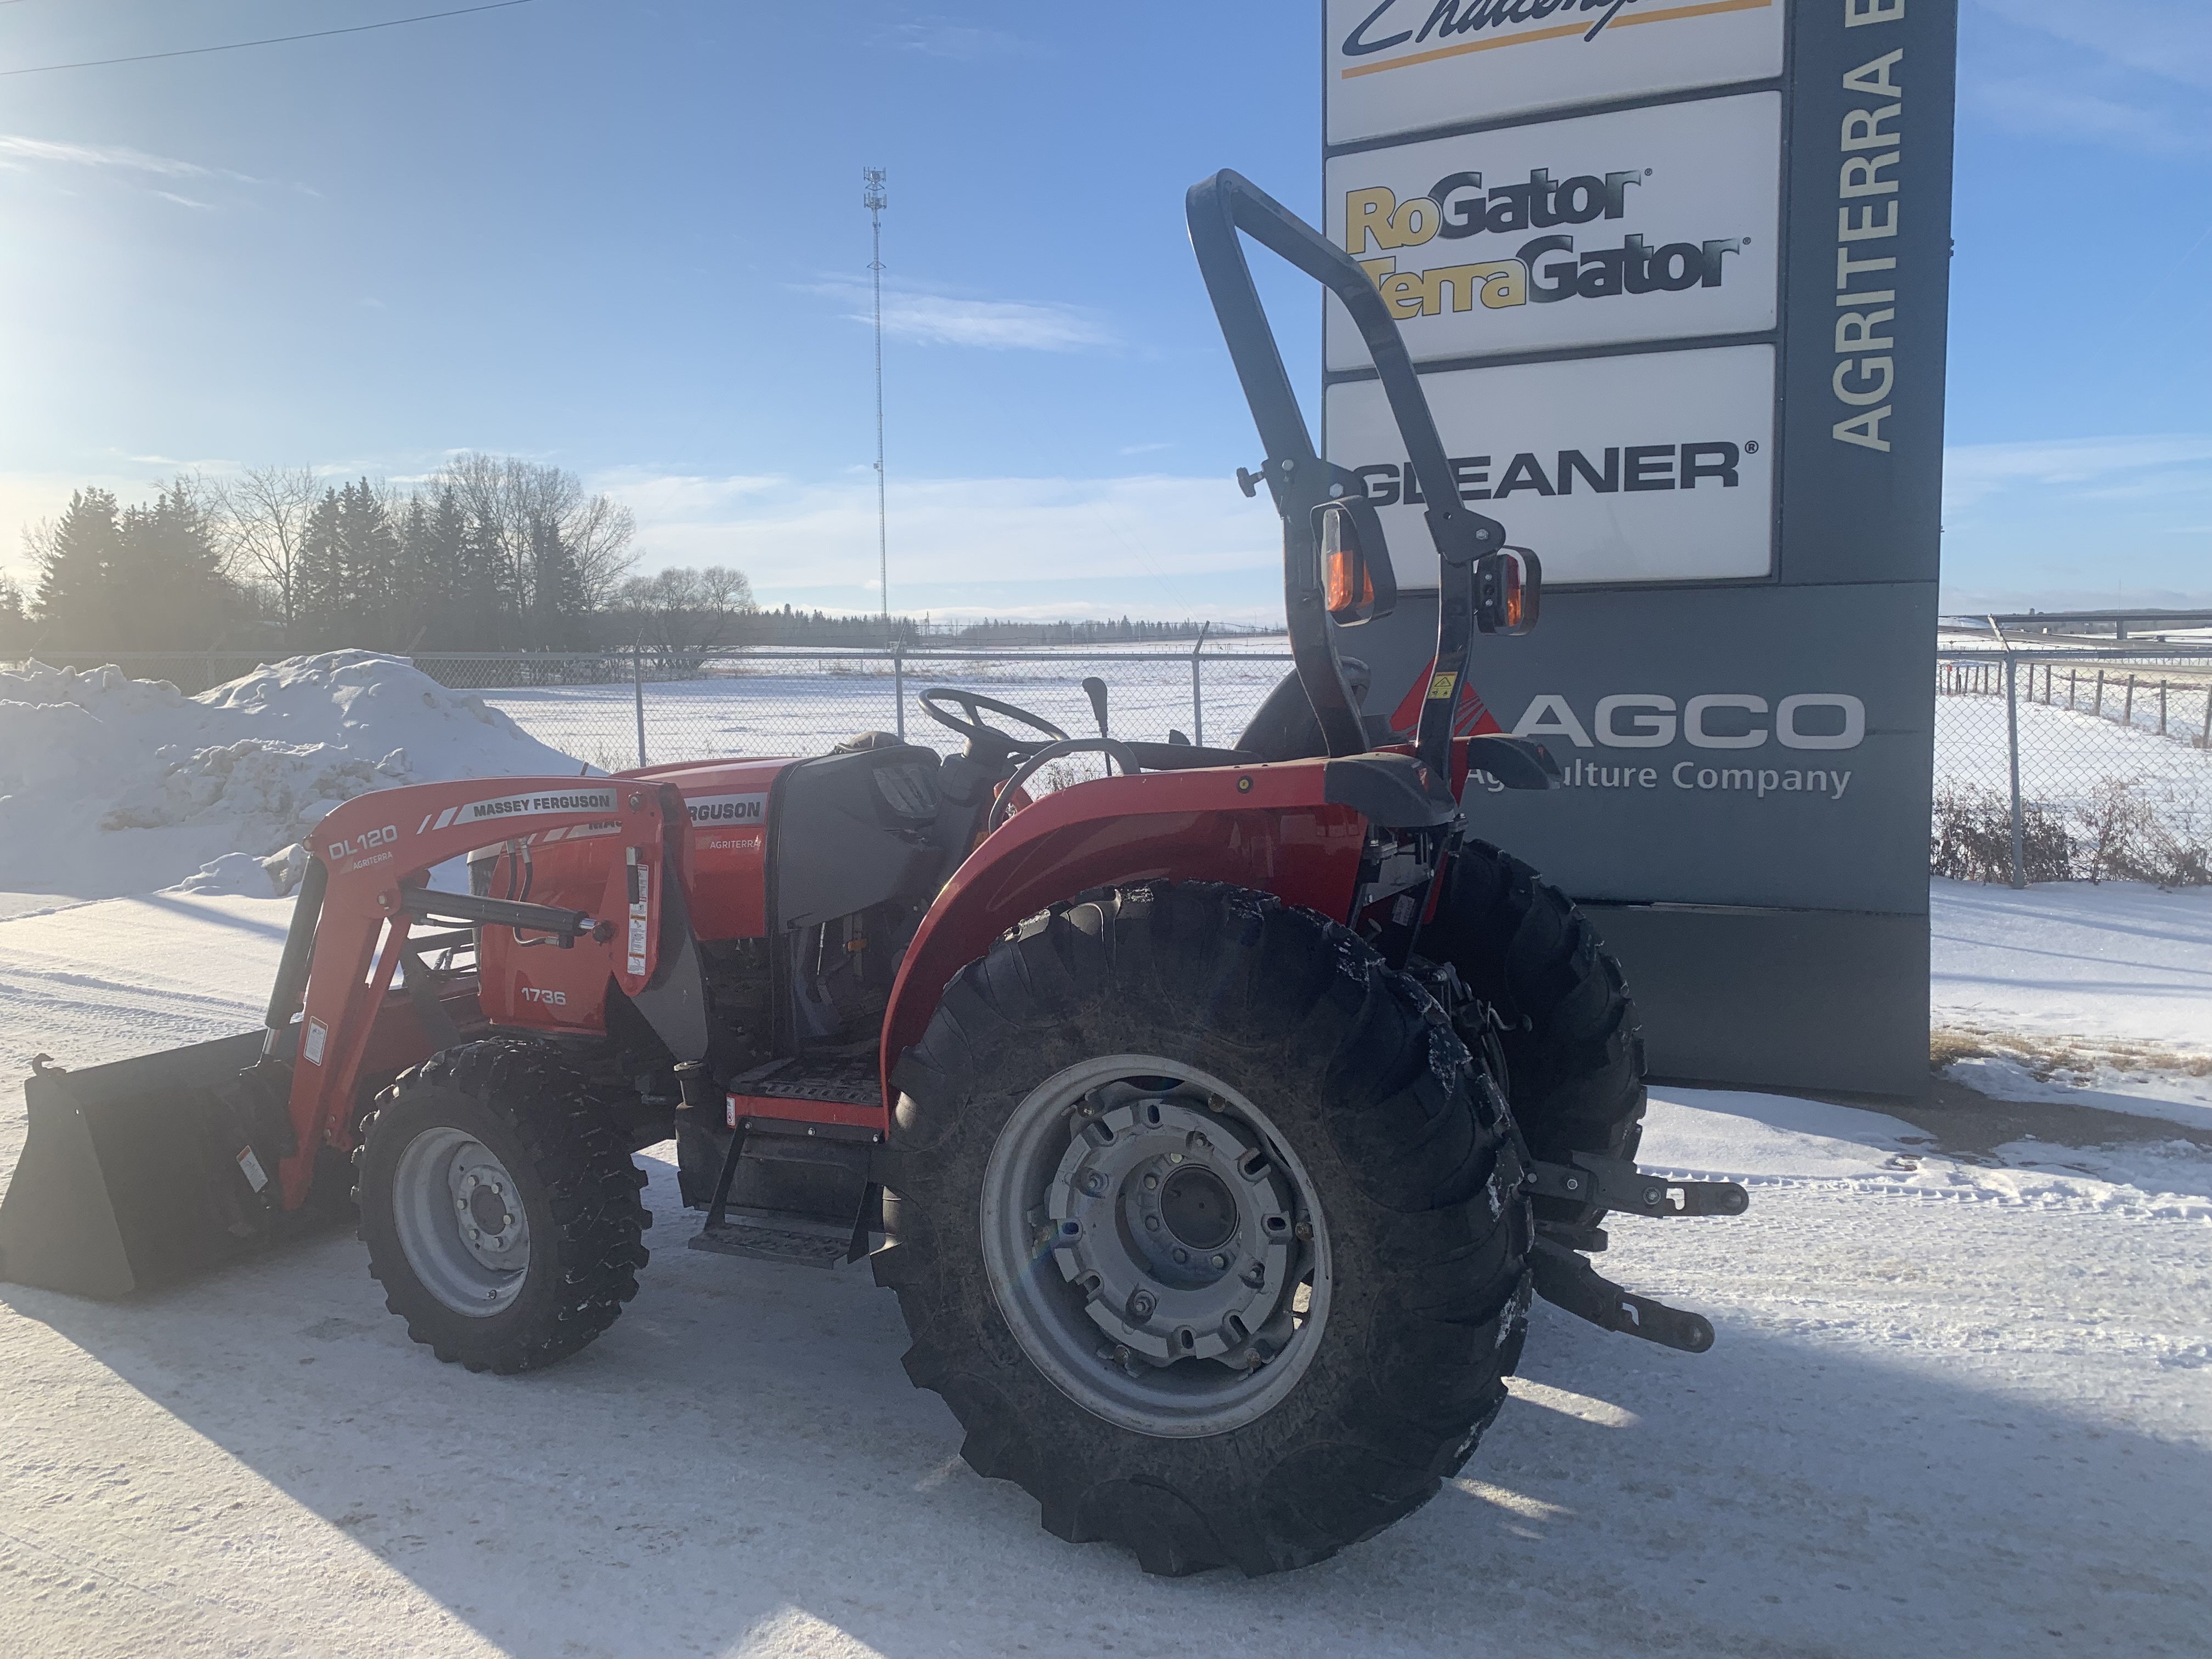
x=1264, y=827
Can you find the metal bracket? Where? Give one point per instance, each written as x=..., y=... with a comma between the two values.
x=1567, y=1281
x=1614, y=1183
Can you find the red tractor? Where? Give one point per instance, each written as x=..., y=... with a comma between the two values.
x=1213, y=1120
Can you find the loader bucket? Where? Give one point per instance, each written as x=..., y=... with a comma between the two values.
x=131, y=1175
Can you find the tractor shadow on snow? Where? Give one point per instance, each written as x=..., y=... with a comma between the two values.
x=740, y=1462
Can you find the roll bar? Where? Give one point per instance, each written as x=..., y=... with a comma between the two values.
x=1301, y=483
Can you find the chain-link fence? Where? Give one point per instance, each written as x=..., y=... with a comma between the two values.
x=2112, y=752
x=2062, y=766
x=617, y=709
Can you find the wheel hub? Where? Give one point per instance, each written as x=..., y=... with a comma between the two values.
x=1156, y=1246
x=1172, y=1222
x=460, y=1221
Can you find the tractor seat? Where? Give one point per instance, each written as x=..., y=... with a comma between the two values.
x=865, y=740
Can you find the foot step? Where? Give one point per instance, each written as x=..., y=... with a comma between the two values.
x=801, y=1243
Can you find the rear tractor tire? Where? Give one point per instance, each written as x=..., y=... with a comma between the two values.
x=1197, y=1228
x=499, y=1209
x=1566, y=1027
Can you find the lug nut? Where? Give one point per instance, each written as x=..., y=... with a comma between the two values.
x=1094, y=1183
x=1151, y=1183
x=1302, y=1232
x=1182, y=1256
x=1152, y=1223
x=1221, y=1261
x=1142, y=1305
x=474, y=1236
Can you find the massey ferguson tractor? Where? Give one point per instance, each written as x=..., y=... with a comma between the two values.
x=1213, y=1120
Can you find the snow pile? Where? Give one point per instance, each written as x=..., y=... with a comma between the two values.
x=110, y=784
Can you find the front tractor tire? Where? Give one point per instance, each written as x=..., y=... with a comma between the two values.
x=500, y=1208
x=1198, y=1229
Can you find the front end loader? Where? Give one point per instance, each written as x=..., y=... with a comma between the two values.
x=1214, y=1121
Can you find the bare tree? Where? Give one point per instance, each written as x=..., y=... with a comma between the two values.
x=508, y=497
x=681, y=615
x=265, y=511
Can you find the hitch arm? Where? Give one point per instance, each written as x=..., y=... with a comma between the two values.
x=1565, y=1281
x=1614, y=1183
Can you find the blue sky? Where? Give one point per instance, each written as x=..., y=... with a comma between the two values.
x=626, y=236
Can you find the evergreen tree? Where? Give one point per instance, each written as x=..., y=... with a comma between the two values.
x=14, y=619
x=484, y=619
x=349, y=572
x=75, y=561
x=319, y=602
x=556, y=589
x=166, y=586
x=369, y=562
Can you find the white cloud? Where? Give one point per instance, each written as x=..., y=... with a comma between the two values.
x=2128, y=73
x=940, y=37
x=2170, y=39
x=995, y=324
x=111, y=157
x=790, y=535
x=2034, y=106
x=2176, y=463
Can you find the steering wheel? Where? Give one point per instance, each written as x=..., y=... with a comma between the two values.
x=977, y=730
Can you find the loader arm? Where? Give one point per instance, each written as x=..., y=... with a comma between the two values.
x=366, y=885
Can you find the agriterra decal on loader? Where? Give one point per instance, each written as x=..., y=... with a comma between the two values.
x=1214, y=1121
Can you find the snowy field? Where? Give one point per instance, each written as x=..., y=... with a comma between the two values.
x=2066, y=754
x=804, y=708
x=1961, y=1404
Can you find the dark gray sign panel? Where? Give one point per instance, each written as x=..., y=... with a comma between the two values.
x=1734, y=485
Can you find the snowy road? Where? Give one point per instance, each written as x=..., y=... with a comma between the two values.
x=1956, y=1407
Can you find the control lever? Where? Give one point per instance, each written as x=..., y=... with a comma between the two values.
x=1095, y=689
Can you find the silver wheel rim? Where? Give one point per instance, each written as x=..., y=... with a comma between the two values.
x=460, y=1221
x=1156, y=1246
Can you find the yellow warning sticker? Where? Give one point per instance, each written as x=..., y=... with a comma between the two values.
x=1440, y=686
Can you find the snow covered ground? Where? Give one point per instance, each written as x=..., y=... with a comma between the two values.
x=1960, y=1405
x=2098, y=995
x=1962, y=1402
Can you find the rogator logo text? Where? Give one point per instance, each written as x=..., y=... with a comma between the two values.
x=1542, y=270
x=1392, y=38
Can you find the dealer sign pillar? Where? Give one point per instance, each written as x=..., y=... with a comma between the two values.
x=1676, y=279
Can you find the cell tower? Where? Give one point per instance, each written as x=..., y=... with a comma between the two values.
x=873, y=198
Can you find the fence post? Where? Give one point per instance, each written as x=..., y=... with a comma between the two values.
x=2100, y=693
x=1197, y=698
x=637, y=686
x=2012, y=745
x=898, y=688
x=2128, y=709
x=2205, y=742
x=2161, y=708
x=2073, y=685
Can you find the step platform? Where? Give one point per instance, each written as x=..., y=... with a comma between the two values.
x=766, y=1236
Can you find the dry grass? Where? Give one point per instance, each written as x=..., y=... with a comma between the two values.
x=2065, y=1059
